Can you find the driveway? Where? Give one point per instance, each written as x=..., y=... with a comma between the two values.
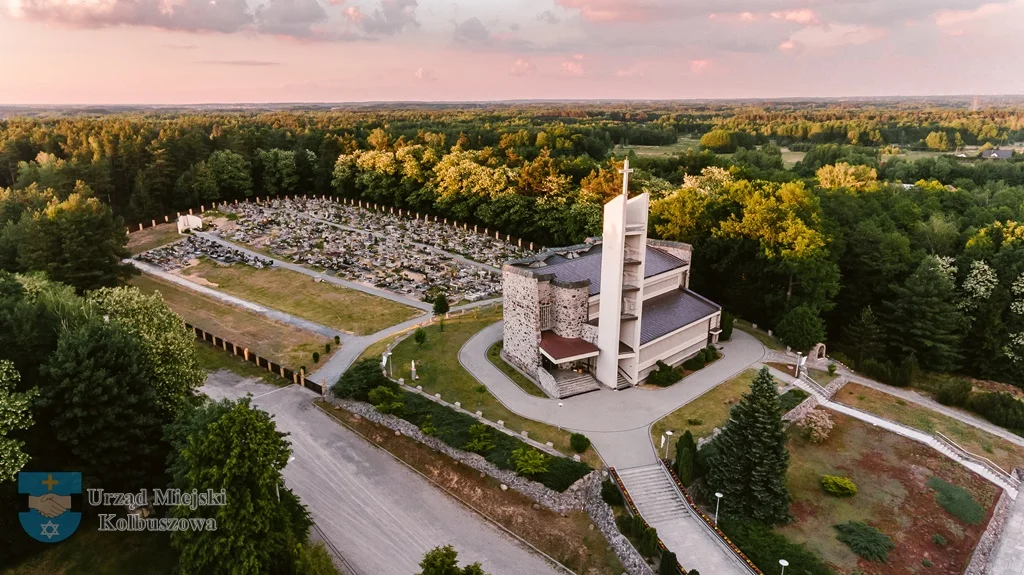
x=379, y=513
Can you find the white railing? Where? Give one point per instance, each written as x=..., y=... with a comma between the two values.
x=984, y=461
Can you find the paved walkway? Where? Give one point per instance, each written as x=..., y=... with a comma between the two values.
x=379, y=513
x=281, y=263
x=1008, y=558
x=245, y=304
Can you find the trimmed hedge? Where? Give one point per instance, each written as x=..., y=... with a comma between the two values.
x=1000, y=408
x=579, y=442
x=838, y=486
x=610, y=493
x=765, y=547
x=791, y=399
x=665, y=375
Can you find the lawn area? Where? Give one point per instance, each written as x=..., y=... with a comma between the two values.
x=214, y=359
x=769, y=341
x=103, y=553
x=439, y=371
x=822, y=377
x=154, y=237
x=494, y=354
x=790, y=158
x=891, y=474
x=291, y=292
x=669, y=150
x=283, y=343
x=567, y=538
x=711, y=409
x=1003, y=453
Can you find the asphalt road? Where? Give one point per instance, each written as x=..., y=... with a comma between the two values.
x=381, y=515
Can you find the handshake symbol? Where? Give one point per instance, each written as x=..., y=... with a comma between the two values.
x=50, y=505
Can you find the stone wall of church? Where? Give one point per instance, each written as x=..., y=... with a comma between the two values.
x=569, y=310
x=588, y=332
x=522, y=320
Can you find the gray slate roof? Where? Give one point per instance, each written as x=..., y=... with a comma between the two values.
x=587, y=267
x=668, y=312
x=996, y=154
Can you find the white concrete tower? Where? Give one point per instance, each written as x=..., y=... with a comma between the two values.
x=623, y=250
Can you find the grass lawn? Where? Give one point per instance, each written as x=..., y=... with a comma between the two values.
x=1003, y=453
x=291, y=292
x=891, y=473
x=107, y=553
x=494, y=354
x=822, y=377
x=790, y=158
x=439, y=371
x=567, y=538
x=154, y=237
x=712, y=409
x=214, y=359
x=769, y=341
x=283, y=343
x=669, y=150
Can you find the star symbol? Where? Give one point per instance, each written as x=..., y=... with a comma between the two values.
x=50, y=530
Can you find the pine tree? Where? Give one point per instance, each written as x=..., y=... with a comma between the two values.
x=864, y=337
x=750, y=459
x=669, y=564
x=923, y=318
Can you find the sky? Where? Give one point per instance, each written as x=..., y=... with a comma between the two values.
x=265, y=51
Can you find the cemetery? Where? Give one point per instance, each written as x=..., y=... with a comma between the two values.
x=193, y=248
x=412, y=257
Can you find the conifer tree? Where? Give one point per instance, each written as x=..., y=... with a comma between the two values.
x=686, y=455
x=864, y=337
x=923, y=317
x=750, y=459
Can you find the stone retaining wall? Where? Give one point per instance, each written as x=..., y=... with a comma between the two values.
x=833, y=388
x=801, y=410
x=572, y=499
x=990, y=538
x=604, y=519
x=547, y=382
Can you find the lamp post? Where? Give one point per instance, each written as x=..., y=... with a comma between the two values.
x=784, y=564
x=558, y=416
x=718, y=506
x=666, y=442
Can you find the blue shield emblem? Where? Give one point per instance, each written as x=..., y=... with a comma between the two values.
x=54, y=504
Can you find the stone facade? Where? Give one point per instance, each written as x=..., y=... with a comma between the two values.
x=569, y=310
x=588, y=333
x=547, y=382
x=522, y=315
x=603, y=517
x=990, y=538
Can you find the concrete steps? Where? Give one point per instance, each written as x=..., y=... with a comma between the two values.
x=654, y=493
x=570, y=386
x=621, y=382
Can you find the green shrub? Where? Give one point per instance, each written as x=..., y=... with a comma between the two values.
x=926, y=562
x=327, y=348
x=427, y=427
x=337, y=340
x=386, y=401
x=637, y=527
x=696, y=362
x=801, y=328
x=957, y=501
x=865, y=540
x=832, y=369
x=562, y=472
x=357, y=382
x=1000, y=408
x=610, y=493
x=529, y=461
x=953, y=392
x=480, y=440
x=838, y=486
x=902, y=375
x=579, y=442
x=669, y=565
x=649, y=542
x=939, y=540
x=727, y=321
x=316, y=357
x=419, y=336
x=764, y=546
x=480, y=389
x=791, y=399
x=694, y=421
x=665, y=375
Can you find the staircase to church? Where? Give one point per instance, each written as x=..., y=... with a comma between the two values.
x=654, y=493
x=622, y=382
x=571, y=383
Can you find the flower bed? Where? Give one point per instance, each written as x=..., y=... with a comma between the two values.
x=710, y=523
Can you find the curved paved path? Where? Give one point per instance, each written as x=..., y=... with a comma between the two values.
x=617, y=422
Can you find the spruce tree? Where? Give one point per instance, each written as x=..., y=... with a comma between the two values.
x=923, y=318
x=750, y=459
x=686, y=455
x=864, y=337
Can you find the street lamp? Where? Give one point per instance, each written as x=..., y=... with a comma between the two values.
x=784, y=564
x=717, y=506
x=558, y=416
x=666, y=442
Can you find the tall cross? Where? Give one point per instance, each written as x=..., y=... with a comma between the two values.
x=49, y=482
x=625, y=171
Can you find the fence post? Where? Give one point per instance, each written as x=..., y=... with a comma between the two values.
x=323, y=388
x=245, y=353
x=190, y=211
x=282, y=372
x=302, y=377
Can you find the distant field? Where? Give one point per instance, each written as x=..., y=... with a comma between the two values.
x=670, y=150
x=789, y=158
x=291, y=292
x=285, y=344
x=153, y=237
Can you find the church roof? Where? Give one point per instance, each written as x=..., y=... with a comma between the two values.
x=583, y=266
x=668, y=312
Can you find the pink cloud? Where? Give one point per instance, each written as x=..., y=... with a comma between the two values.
x=352, y=12
x=804, y=16
x=948, y=20
x=573, y=67
x=734, y=16
x=790, y=46
x=521, y=67
x=425, y=75
x=699, y=66
x=615, y=10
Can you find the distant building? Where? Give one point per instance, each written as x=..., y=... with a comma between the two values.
x=604, y=312
x=189, y=222
x=996, y=154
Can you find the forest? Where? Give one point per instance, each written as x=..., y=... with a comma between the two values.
x=880, y=241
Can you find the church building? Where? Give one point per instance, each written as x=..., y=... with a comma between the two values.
x=604, y=312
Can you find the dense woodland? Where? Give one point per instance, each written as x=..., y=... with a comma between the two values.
x=897, y=277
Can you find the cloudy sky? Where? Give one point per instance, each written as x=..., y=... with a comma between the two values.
x=221, y=51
